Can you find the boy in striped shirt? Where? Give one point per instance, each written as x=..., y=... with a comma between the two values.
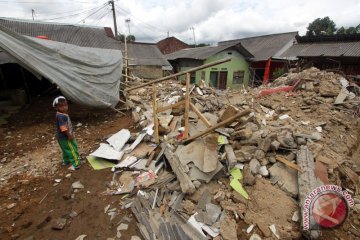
x=65, y=134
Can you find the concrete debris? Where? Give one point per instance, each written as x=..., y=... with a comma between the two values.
x=228, y=229
x=77, y=185
x=59, y=224
x=192, y=193
x=254, y=166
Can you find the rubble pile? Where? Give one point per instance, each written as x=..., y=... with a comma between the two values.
x=246, y=179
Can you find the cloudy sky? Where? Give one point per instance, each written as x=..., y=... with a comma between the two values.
x=210, y=20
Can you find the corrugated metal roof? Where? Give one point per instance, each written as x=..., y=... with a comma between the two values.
x=84, y=36
x=202, y=53
x=145, y=54
x=87, y=36
x=266, y=46
x=333, y=49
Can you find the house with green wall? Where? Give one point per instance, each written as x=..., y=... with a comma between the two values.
x=233, y=74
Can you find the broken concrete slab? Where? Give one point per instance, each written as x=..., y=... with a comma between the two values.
x=306, y=181
x=212, y=214
x=202, y=152
x=230, y=156
x=196, y=174
x=164, y=120
x=286, y=178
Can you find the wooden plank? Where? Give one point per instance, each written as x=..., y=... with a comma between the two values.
x=186, y=184
x=288, y=163
x=180, y=73
x=202, y=117
x=156, y=120
x=175, y=105
x=220, y=124
x=187, y=106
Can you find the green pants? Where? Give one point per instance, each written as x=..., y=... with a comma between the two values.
x=70, y=152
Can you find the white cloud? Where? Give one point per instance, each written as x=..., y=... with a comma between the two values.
x=213, y=20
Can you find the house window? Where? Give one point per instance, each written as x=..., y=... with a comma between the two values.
x=224, y=69
x=229, y=53
x=202, y=75
x=238, y=77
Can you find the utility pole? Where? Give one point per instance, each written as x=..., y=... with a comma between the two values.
x=128, y=23
x=193, y=30
x=33, y=14
x=168, y=34
x=114, y=16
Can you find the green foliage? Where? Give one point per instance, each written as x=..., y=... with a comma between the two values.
x=321, y=26
x=199, y=45
x=350, y=30
x=129, y=38
x=278, y=72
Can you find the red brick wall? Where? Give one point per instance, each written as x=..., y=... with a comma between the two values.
x=170, y=45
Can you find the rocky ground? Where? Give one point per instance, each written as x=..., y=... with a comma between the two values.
x=36, y=190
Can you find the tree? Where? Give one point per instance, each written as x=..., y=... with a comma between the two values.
x=350, y=30
x=129, y=38
x=321, y=26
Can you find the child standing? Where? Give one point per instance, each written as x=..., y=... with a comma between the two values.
x=65, y=133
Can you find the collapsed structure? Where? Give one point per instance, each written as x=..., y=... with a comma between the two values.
x=247, y=178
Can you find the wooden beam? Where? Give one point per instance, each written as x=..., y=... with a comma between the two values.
x=175, y=105
x=156, y=120
x=187, y=106
x=186, y=184
x=180, y=73
x=202, y=117
x=288, y=163
x=220, y=124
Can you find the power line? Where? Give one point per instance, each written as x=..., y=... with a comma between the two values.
x=93, y=13
x=144, y=23
x=61, y=13
x=149, y=28
x=103, y=17
x=75, y=14
x=47, y=2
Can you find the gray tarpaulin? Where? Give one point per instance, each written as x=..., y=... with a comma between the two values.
x=88, y=76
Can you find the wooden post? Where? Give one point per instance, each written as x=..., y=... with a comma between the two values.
x=156, y=120
x=220, y=124
x=202, y=117
x=187, y=106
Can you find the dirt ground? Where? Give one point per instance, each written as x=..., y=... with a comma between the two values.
x=30, y=163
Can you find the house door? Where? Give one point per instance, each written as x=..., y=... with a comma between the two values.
x=214, y=79
x=222, y=80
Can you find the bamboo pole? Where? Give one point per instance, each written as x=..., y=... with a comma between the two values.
x=180, y=73
x=156, y=120
x=202, y=117
x=187, y=106
x=220, y=124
